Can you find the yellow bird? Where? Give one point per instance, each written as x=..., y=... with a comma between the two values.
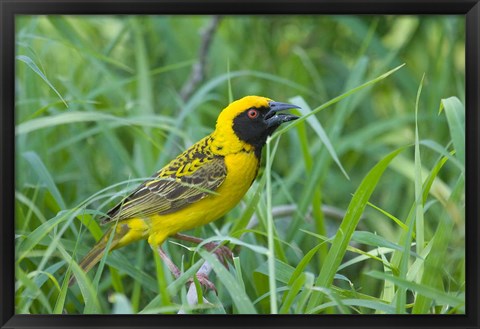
x=198, y=186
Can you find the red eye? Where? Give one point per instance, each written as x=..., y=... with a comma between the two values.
x=252, y=113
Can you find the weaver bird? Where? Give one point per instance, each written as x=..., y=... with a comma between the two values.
x=198, y=186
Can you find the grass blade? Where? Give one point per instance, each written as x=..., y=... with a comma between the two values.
x=439, y=296
x=455, y=112
x=239, y=297
x=347, y=227
x=44, y=176
x=336, y=100
x=27, y=60
x=293, y=291
x=317, y=127
x=419, y=220
x=270, y=233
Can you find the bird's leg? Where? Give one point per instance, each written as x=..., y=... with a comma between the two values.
x=172, y=267
x=223, y=253
x=201, y=277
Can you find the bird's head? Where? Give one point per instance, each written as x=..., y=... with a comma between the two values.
x=247, y=122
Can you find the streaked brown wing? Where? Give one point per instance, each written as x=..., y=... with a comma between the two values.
x=163, y=195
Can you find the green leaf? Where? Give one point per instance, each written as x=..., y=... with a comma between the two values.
x=161, y=282
x=389, y=215
x=317, y=127
x=31, y=291
x=419, y=220
x=34, y=237
x=243, y=304
x=242, y=222
x=347, y=227
x=443, y=151
x=336, y=100
x=173, y=288
x=304, y=262
x=60, y=302
x=455, y=112
x=72, y=117
x=27, y=60
x=376, y=240
x=283, y=271
x=304, y=295
x=270, y=228
x=440, y=297
x=358, y=302
x=44, y=176
x=293, y=291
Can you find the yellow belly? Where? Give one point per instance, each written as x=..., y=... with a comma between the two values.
x=241, y=171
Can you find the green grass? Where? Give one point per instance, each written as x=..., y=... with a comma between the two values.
x=359, y=205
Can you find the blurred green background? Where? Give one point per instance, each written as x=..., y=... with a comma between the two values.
x=104, y=101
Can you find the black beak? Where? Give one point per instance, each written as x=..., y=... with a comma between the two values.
x=275, y=119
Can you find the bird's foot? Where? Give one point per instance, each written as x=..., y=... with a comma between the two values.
x=224, y=254
x=204, y=282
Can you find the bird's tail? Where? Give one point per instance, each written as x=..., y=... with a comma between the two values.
x=129, y=231
x=96, y=253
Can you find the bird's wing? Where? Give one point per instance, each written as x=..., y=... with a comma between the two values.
x=173, y=188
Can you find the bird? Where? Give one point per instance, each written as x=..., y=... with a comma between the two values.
x=198, y=186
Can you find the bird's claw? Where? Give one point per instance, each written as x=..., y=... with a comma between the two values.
x=204, y=282
x=224, y=254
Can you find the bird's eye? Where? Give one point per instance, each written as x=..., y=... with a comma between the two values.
x=252, y=113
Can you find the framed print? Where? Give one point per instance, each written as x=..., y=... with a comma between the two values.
x=219, y=164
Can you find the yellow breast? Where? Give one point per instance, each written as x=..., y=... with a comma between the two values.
x=242, y=169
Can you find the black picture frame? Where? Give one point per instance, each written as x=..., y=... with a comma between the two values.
x=469, y=8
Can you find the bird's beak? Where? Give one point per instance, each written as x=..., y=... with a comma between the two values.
x=275, y=119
